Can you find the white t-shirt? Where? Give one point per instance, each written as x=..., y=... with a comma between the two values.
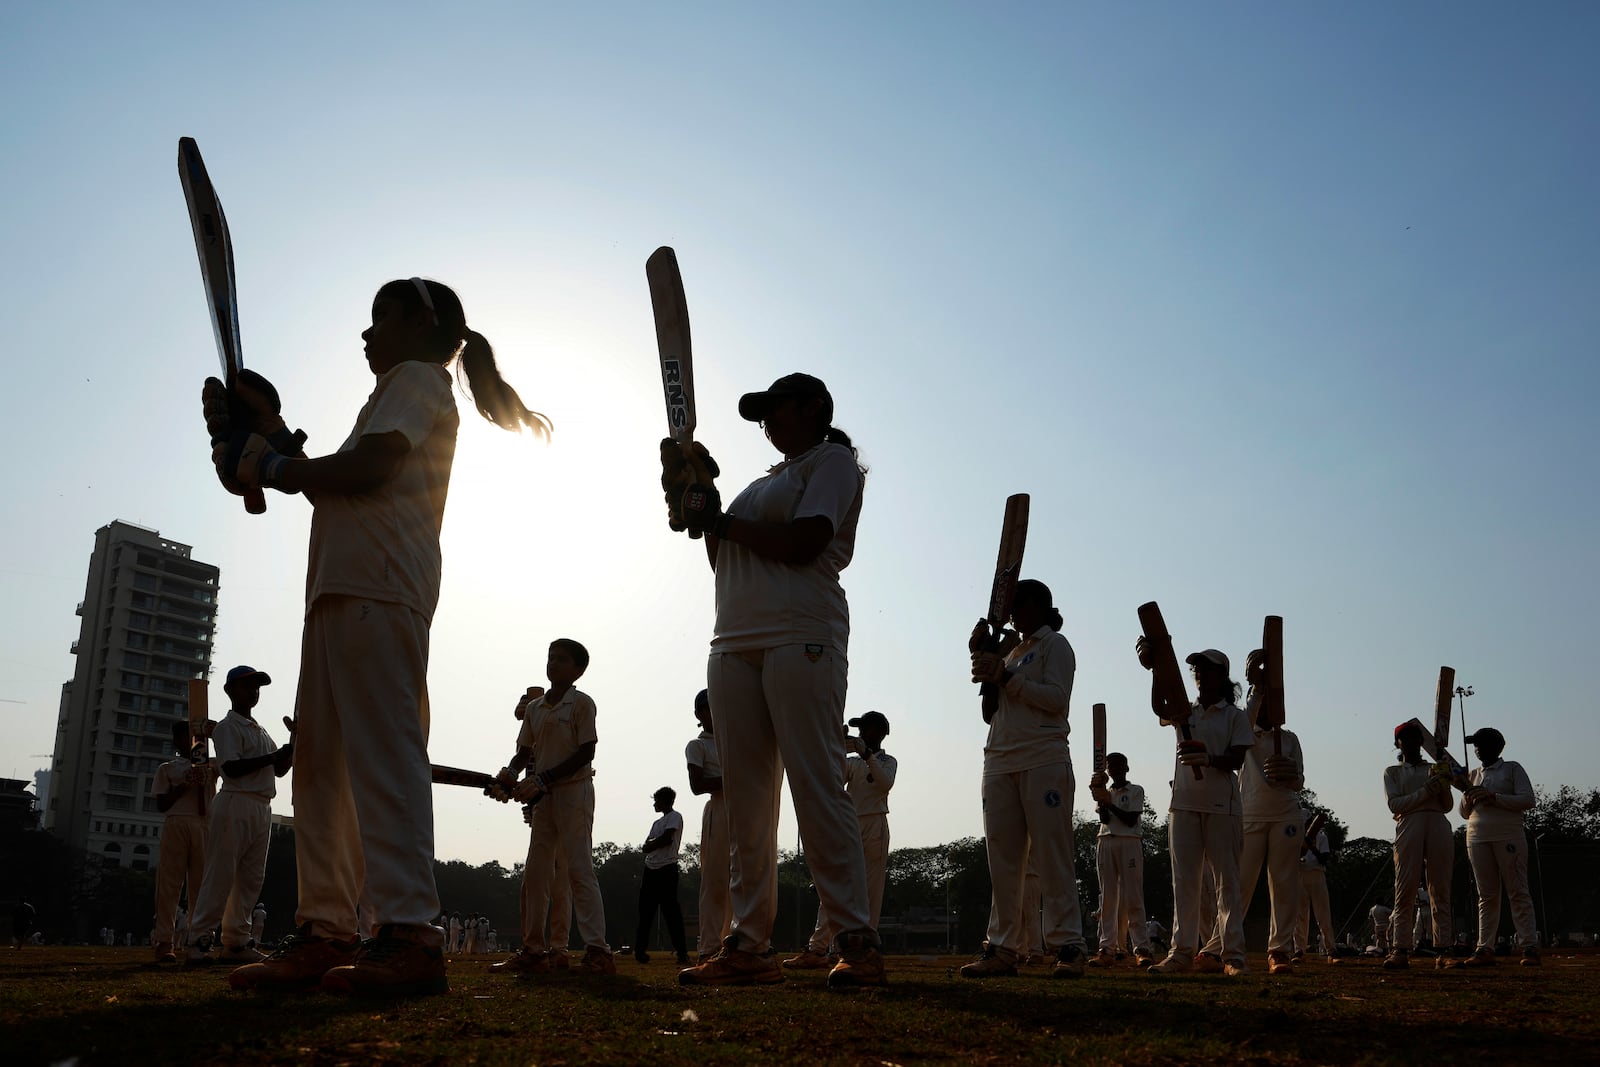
x=1221, y=726
x=702, y=752
x=556, y=733
x=665, y=856
x=1406, y=785
x=1129, y=798
x=764, y=603
x=241, y=737
x=1501, y=820
x=1029, y=728
x=871, y=797
x=384, y=544
x=176, y=772
x=1264, y=801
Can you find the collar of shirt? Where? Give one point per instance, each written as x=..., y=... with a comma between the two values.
x=706, y=735
x=786, y=461
x=569, y=697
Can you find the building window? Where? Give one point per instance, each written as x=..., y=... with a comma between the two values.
x=119, y=783
x=116, y=803
x=150, y=805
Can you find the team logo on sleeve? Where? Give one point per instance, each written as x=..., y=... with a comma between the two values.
x=1052, y=798
x=1025, y=660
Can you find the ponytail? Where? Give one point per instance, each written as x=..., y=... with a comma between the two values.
x=834, y=435
x=1056, y=621
x=491, y=394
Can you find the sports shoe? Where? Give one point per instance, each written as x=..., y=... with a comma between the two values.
x=809, y=960
x=1298, y=957
x=989, y=965
x=558, y=958
x=1206, y=963
x=1530, y=957
x=1398, y=960
x=1443, y=963
x=860, y=964
x=240, y=954
x=164, y=953
x=1484, y=957
x=1104, y=958
x=733, y=966
x=597, y=960
x=391, y=964
x=522, y=961
x=1278, y=963
x=299, y=962
x=1070, y=960
x=1235, y=968
x=1170, y=965
x=1141, y=958
x=199, y=954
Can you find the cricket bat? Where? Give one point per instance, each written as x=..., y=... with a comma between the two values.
x=1007, y=571
x=215, y=249
x=676, y=351
x=1443, y=696
x=1099, y=738
x=1313, y=828
x=1441, y=754
x=199, y=714
x=1168, y=698
x=1272, y=710
x=456, y=776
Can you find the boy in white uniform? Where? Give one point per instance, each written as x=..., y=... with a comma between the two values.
x=556, y=745
x=658, y=889
x=868, y=776
x=1205, y=830
x=1314, y=896
x=1119, y=861
x=1497, y=847
x=1269, y=784
x=705, y=779
x=240, y=822
x=179, y=787
x=1418, y=797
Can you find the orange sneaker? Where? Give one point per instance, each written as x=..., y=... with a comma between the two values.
x=522, y=961
x=860, y=964
x=809, y=960
x=597, y=961
x=1278, y=963
x=1206, y=963
x=299, y=963
x=733, y=966
x=391, y=964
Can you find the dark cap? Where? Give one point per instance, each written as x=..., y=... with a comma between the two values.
x=702, y=699
x=1487, y=735
x=753, y=407
x=247, y=676
x=1410, y=726
x=872, y=718
x=1209, y=655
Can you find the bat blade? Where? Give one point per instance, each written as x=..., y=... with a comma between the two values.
x=1008, y=564
x=1168, y=697
x=1272, y=708
x=199, y=713
x=215, y=249
x=1443, y=695
x=673, y=341
x=1313, y=828
x=456, y=776
x=1439, y=752
x=1099, y=738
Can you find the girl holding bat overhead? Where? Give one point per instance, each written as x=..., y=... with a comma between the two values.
x=776, y=676
x=362, y=791
x=1028, y=786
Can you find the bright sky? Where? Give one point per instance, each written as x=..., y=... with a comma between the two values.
x=1272, y=309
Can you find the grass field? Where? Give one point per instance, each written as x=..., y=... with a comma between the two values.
x=112, y=1006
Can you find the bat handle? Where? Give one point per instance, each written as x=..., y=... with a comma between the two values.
x=254, y=501
x=1277, y=741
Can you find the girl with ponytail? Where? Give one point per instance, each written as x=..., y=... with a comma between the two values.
x=363, y=793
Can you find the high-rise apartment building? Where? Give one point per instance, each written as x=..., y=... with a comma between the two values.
x=149, y=612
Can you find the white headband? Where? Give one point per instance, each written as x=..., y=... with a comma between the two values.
x=427, y=300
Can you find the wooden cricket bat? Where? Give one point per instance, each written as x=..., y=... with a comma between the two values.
x=1168, y=697
x=1443, y=696
x=676, y=352
x=1007, y=571
x=215, y=249
x=199, y=716
x=1272, y=709
x=1441, y=754
x=456, y=776
x=1099, y=738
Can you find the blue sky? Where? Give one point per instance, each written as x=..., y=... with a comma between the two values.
x=1271, y=309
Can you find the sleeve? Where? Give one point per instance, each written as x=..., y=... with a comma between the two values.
x=832, y=486
x=225, y=743
x=1400, y=802
x=694, y=755
x=888, y=767
x=1051, y=691
x=583, y=720
x=525, y=731
x=1240, y=734
x=158, y=784
x=1522, y=799
x=1475, y=778
x=410, y=402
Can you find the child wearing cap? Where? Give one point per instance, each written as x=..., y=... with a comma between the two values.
x=1497, y=847
x=239, y=822
x=868, y=776
x=1205, y=827
x=1418, y=797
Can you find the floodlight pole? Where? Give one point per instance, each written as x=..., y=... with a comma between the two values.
x=1462, y=693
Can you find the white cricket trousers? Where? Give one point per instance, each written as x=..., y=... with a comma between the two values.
x=1314, y=895
x=561, y=902
x=1027, y=815
x=1119, y=861
x=240, y=825
x=1497, y=864
x=563, y=821
x=182, y=858
x=715, y=919
x=1422, y=840
x=775, y=711
x=363, y=792
x=875, y=852
x=1276, y=843
x=1202, y=841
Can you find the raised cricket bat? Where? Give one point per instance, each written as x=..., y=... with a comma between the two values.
x=1272, y=710
x=1313, y=828
x=1168, y=698
x=1440, y=754
x=1099, y=738
x=677, y=365
x=215, y=248
x=199, y=714
x=1443, y=695
x=1007, y=571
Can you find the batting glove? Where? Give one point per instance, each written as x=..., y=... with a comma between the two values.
x=247, y=459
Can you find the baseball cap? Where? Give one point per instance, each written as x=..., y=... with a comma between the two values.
x=753, y=407
x=1209, y=654
x=1408, y=727
x=247, y=676
x=1488, y=735
x=872, y=718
